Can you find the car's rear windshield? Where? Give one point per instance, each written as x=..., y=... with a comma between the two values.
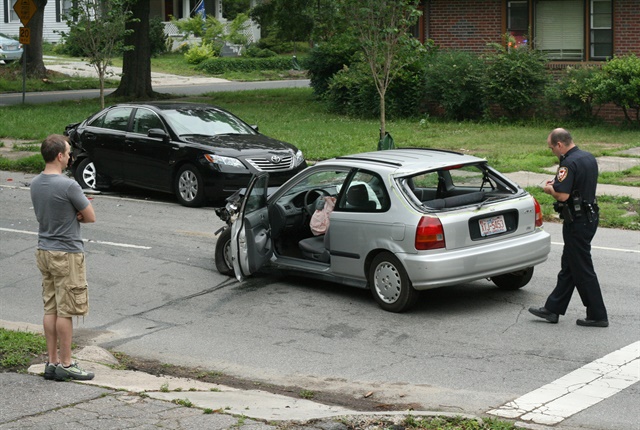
x=209, y=122
x=456, y=186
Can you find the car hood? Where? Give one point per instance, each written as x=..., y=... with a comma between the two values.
x=240, y=144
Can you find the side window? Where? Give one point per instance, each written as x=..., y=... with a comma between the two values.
x=117, y=119
x=144, y=120
x=365, y=192
x=257, y=199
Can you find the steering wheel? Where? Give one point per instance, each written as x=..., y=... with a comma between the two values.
x=310, y=207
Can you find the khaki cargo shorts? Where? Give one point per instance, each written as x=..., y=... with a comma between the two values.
x=64, y=283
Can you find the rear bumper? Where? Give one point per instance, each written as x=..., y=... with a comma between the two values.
x=433, y=269
x=11, y=55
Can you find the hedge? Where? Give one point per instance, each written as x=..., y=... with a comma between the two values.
x=218, y=66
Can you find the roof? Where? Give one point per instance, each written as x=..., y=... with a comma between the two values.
x=405, y=161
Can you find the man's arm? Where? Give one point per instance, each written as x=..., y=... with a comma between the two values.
x=87, y=214
x=561, y=197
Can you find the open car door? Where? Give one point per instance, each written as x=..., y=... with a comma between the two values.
x=251, y=233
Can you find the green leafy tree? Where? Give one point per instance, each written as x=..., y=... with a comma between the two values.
x=515, y=78
x=102, y=24
x=381, y=28
x=619, y=83
x=290, y=20
x=232, y=8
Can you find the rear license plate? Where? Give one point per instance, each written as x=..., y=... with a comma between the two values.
x=493, y=225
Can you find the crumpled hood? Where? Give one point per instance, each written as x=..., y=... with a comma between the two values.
x=241, y=145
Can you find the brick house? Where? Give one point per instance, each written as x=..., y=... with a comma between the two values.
x=570, y=32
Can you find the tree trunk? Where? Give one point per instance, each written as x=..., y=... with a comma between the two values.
x=383, y=114
x=33, y=51
x=136, y=64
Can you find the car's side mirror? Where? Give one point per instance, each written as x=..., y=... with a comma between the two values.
x=255, y=127
x=158, y=133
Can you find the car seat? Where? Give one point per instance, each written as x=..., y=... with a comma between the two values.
x=358, y=198
x=316, y=248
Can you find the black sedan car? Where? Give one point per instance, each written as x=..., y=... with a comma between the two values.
x=195, y=151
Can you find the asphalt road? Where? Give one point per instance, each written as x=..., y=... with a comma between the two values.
x=154, y=293
x=187, y=90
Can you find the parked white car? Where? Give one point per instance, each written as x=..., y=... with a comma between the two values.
x=404, y=220
x=10, y=49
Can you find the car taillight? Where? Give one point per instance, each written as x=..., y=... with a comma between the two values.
x=538, y=212
x=429, y=234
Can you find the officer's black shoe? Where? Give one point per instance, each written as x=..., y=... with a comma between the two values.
x=545, y=314
x=592, y=323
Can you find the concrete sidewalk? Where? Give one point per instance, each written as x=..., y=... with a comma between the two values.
x=131, y=399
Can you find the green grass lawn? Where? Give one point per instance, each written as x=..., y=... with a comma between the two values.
x=295, y=116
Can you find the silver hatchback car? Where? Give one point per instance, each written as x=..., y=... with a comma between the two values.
x=396, y=222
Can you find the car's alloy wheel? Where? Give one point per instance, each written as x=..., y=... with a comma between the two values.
x=189, y=186
x=223, y=261
x=86, y=174
x=390, y=284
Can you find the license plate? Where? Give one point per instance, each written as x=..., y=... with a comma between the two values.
x=493, y=225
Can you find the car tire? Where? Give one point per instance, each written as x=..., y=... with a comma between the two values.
x=189, y=187
x=513, y=281
x=86, y=174
x=223, y=253
x=390, y=284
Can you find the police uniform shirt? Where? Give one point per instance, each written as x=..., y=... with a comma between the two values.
x=578, y=170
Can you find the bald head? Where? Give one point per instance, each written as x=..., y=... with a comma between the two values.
x=560, y=135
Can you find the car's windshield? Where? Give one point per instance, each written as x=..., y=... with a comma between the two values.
x=208, y=122
x=328, y=180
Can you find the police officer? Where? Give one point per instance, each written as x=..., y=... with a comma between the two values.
x=574, y=189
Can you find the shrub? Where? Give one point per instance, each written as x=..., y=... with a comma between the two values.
x=218, y=66
x=352, y=92
x=197, y=54
x=454, y=81
x=157, y=37
x=619, y=83
x=514, y=79
x=253, y=51
x=326, y=60
x=576, y=93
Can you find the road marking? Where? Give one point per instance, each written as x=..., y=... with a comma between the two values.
x=120, y=245
x=603, y=248
x=577, y=390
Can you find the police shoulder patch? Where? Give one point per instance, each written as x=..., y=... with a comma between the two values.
x=562, y=174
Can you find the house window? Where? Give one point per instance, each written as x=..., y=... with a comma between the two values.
x=13, y=16
x=601, y=29
x=518, y=21
x=64, y=10
x=559, y=29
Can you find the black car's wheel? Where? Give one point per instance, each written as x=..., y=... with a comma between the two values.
x=86, y=174
x=223, y=253
x=390, y=284
x=515, y=280
x=189, y=187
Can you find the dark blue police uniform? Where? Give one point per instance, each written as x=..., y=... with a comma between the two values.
x=578, y=176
